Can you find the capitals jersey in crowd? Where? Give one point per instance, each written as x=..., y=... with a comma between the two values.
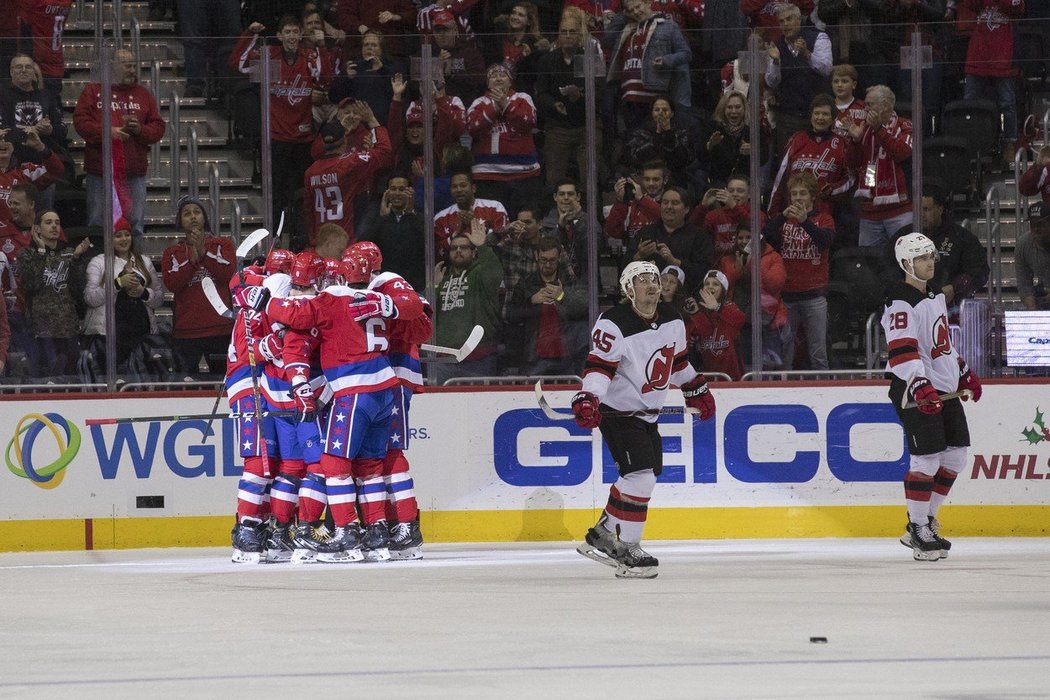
x=40, y=24
x=291, y=90
x=918, y=338
x=448, y=222
x=633, y=362
x=503, y=146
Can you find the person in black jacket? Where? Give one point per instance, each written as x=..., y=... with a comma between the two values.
x=962, y=263
x=399, y=232
x=662, y=138
x=674, y=241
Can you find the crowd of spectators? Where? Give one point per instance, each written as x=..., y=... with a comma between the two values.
x=672, y=155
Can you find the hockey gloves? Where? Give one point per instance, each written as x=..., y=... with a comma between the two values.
x=251, y=298
x=369, y=304
x=585, y=410
x=698, y=396
x=925, y=396
x=270, y=347
x=305, y=403
x=969, y=381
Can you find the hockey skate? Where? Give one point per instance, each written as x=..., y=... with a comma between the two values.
x=406, y=541
x=376, y=541
x=306, y=538
x=601, y=545
x=635, y=562
x=344, y=547
x=925, y=546
x=247, y=536
x=279, y=547
x=935, y=528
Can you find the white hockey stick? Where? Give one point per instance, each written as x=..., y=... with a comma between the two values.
x=211, y=293
x=461, y=353
x=254, y=238
x=553, y=414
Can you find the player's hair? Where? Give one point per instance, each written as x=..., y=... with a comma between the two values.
x=331, y=232
x=804, y=180
x=845, y=69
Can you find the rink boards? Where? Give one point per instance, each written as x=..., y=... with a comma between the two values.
x=779, y=460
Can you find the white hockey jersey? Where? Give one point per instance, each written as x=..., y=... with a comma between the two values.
x=633, y=362
x=917, y=337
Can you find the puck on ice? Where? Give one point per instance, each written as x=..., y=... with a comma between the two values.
x=818, y=640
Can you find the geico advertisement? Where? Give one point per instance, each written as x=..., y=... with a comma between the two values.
x=772, y=446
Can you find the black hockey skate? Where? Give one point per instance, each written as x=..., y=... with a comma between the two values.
x=925, y=546
x=935, y=528
x=344, y=547
x=406, y=541
x=376, y=542
x=601, y=545
x=248, y=536
x=279, y=547
x=635, y=562
x=307, y=538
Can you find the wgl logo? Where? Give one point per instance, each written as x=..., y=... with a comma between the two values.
x=530, y=450
x=67, y=443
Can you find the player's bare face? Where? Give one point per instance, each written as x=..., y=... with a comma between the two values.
x=842, y=86
x=923, y=266
x=646, y=292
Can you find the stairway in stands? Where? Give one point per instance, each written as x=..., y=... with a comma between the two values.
x=159, y=42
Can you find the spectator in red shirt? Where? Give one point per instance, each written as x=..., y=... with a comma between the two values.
x=198, y=330
x=136, y=125
x=395, y=19
x=714, y=328
x=637, y=205
x=40, y=174
x=733, y=206
x=41, y=24
x=803, y=235
x=462, y=63
x=456, y=219
x=291, y=103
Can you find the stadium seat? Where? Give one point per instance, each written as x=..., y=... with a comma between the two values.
x=974, y=121
x=947, y=159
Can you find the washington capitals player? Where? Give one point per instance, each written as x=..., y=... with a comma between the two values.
x=402, y=510
x=639, y=352
x=923, y=365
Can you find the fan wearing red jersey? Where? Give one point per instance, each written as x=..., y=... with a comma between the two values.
x=639, y=351
x=41, y=24
x=334, y=181
x=923, y=366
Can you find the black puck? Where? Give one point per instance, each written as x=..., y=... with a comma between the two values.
x=818, y=640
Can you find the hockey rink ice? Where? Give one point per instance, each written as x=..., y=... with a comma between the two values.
x=727, y=618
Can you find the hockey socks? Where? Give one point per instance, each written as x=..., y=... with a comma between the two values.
x=342, y=499
x=917, y=490
x=313, y=497
x=371, y=489
x=284, y=497
x=628, y=504
x=253, y=491
x=942, y=484
x=401, y=506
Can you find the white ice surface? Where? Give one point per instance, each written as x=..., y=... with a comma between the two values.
x=724, y=619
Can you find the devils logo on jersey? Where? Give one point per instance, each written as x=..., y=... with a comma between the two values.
x=658, y=369
x=942, y=338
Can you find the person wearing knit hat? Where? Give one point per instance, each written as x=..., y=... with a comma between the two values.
x=198, y=331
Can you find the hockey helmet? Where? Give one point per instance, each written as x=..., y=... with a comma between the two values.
x=633, y=270
x=911, y=246
x=356, y=269
x=371, y=251
x=279, y=260
x=333, y=272
x=307, y=267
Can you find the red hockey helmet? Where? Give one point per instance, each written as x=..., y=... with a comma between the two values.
x=333, y=272
x=279, y=260
x=371, y=251
x=307, y=267
x=356, y=268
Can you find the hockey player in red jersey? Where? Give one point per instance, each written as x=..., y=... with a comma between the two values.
x=923, y=366
x=350, y=325
x=402, y=510
x=638, y=353
x=251, y=345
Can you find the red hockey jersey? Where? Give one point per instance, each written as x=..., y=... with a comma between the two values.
x=291, y=89
x=41, y=24
x=448, y=222
x=502, y=141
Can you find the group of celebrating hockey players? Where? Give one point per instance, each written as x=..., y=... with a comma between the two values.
x=324, y=423
x=323, y=362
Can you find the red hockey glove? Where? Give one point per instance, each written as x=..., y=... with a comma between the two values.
x=251, y=298
x=303, y=394
x=270, y=348
x=585, y=410
x=698, y=396
x=969, y=380
x=369, y=304
x=925, y=396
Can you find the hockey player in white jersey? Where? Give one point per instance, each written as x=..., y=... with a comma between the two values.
x=923, y=366
x=638, y=353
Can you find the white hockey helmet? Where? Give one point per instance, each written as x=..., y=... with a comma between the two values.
x=634, y=269
x=911, y=246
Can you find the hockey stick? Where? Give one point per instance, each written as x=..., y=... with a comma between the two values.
x=461, y=353
x=211, y=293
x=552, y=414
x=248, y=244
x=189, y=416
x=964, y=394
